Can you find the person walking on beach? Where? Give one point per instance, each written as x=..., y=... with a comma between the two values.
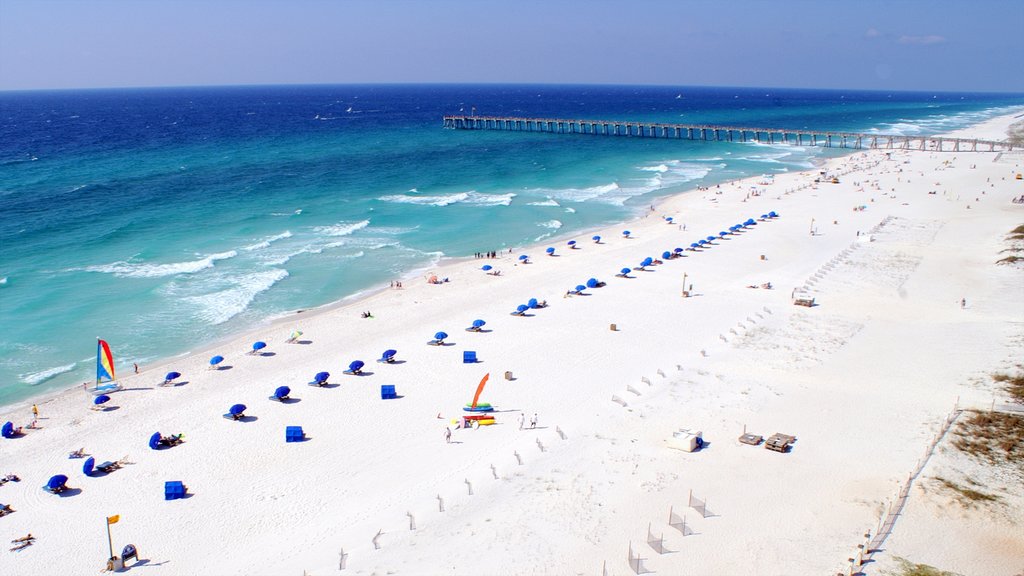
x=963, y=303
x=533, y=421
x=136, y=367
x=35, y=411
x=522, y=419
x=447, y=435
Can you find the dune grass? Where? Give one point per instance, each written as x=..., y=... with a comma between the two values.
x=908, y=568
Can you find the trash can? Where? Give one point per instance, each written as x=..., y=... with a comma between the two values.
x=508, y=375
x=613, y=327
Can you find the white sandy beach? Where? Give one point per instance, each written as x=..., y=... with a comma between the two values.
x=863, y=380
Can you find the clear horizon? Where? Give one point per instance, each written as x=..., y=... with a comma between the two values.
x=872, y=45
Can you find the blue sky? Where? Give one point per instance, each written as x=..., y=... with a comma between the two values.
x=967, y=45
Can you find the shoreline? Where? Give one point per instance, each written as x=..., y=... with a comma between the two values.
x=253, y=333
x=910, y=309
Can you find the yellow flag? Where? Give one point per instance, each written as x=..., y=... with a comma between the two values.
x=113, y=519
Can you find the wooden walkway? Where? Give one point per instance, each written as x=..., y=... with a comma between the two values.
x=713, y=133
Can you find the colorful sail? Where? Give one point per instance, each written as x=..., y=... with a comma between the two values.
x=480, y=389
x=104, y=362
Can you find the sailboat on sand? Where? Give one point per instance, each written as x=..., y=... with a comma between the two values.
x=104, y=370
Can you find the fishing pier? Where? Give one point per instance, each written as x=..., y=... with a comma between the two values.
x=713, y=133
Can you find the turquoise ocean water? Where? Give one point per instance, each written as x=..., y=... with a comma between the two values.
x=164, y=219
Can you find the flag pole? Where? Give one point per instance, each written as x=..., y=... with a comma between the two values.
x=110, y=542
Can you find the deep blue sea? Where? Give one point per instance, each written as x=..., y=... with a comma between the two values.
x=164, y=219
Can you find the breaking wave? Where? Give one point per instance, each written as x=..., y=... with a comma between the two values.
x=124, y=269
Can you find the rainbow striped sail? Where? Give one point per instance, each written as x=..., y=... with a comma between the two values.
x=104, y=362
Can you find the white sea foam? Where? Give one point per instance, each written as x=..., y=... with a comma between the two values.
x=266, y=242
x=221, y=306
x=577, y=194
x=439, y=200
x=472, y=197
x=125, y=269
x=3, y=281
x=34, y=378
x=553, y=224
x=549, y=202
x=342, y=228
x=570, y=210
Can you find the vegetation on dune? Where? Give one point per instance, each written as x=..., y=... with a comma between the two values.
x=1015, y=235
x=994, y=437
x=908, y=568
x=964, y=495
x=1013, y=384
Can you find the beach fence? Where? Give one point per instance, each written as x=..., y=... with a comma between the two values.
x=678, y=522
x=636, y=563
x=699, y=505
x=887, y=521
x=656, y=542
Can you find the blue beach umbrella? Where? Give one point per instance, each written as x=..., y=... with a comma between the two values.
x=694, y=245
x=355, y=366
x=171, y=376
x=550, y=251
x=710, y=238
x=154, y=441
x=626, y=233
x=478, y=323
x=88, y=466
x=764, y=216
x=772, y=214
x=723, y=234
x=624, y=271
x=237, y=409
x=669, y=219
x=595, y=238
x=282, y=392
x=532, y=303
x=56, y=482
x=572, y=243
x=486, y=267
x=388, y=354
x=216, y=360
x=703, y=242
x=101, y=399
x=580, y=287
x=8, y=430
x=321, y=377
x=440, y=336
x=678, y=250
x=647, y=261
x=257, y=346
x=523, y=257
x=522, y=308
x=666, y=255
x=592, y=283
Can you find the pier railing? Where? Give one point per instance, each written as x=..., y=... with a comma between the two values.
x=716, y=133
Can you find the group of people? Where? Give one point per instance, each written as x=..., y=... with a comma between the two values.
x=396, y=284
x=491, y=254
x=367, y=314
